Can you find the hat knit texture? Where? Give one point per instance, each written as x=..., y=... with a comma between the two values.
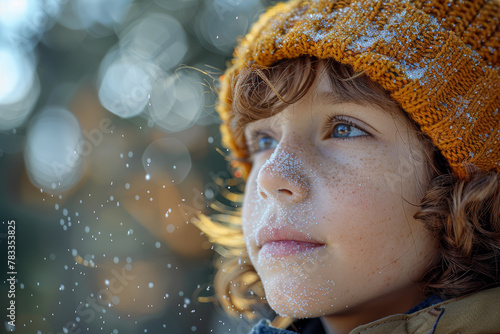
x=439, y=59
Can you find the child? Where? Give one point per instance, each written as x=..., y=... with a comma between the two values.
x=368, y=136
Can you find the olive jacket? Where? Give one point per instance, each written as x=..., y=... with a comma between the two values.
x=476, y=313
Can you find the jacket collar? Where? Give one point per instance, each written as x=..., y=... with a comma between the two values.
x=473, y=313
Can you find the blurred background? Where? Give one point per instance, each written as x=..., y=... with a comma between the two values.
x=109, y=144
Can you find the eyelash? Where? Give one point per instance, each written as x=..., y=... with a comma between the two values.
x=331, y=121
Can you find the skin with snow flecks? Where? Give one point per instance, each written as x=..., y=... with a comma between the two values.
x=344, y=185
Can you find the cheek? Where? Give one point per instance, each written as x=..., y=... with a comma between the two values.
x=248, y=211
x=370, y=219
x=252, y=210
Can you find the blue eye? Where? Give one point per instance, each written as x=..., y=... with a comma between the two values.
x=344, y=130
x=265, y=143
x=258, y=141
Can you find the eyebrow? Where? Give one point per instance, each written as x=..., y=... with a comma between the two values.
x=334, y=99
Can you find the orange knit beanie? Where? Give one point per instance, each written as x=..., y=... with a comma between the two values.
x=439, y=59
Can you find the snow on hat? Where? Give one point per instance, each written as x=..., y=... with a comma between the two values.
x=439, y=59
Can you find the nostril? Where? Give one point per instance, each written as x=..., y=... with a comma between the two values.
x=263, y=194
x=285, y=190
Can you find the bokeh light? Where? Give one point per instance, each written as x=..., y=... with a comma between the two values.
x=55, y=150
x=17, y=74
x=14, y=13
x=148, y=47
x=126, y=86
x=176, y=101
x=15, y=114
x=222, y=21
x=23, y=22
x=167, y=156
x=83, y=14
x=158, y=38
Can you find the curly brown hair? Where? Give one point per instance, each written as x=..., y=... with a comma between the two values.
x=465, y=218
x=463, y=215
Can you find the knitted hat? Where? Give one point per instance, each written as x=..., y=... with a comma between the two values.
x=439, y=59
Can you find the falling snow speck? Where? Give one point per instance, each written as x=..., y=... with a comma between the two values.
x=170, y=228
x=150, y=285
x=130, y=154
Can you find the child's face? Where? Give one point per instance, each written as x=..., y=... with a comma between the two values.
x=351, y=188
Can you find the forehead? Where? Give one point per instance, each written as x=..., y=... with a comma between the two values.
x=330, y=89
x=325, y=97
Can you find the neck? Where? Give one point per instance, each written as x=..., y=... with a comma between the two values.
x=344, y=322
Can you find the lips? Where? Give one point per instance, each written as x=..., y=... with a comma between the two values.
x=284, y=233
x=285, y=248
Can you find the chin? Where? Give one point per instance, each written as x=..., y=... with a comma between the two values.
x=297, y=309
x=296, y=301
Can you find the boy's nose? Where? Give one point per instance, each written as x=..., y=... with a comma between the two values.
x=281, y=178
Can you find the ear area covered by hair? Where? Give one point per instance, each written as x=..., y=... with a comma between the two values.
x=464, y=215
